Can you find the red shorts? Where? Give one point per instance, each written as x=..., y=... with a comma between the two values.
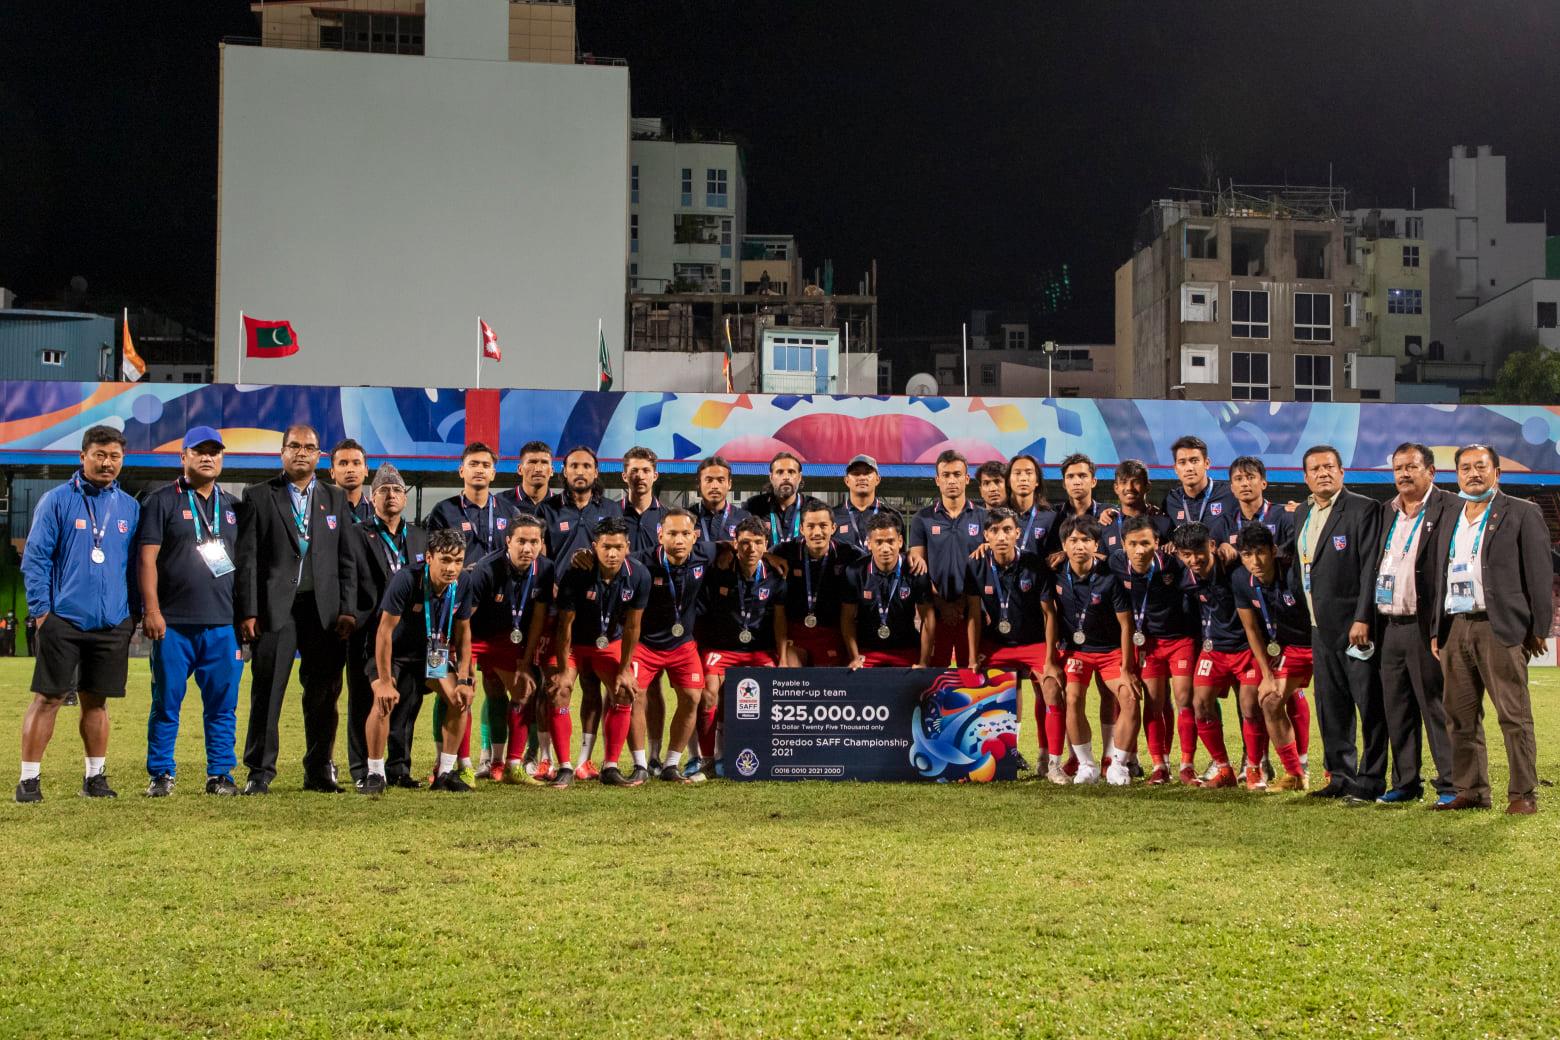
x=1080, y=666
x=544, y=648
x=1025, y=661
x=681, y=665
x=950, y=641
x=1219, y=670
x=1295, y=663
x=500, y=654
x=603, y=663
x=891, y=658
x=1163, y=658
x=821, y=645
x=717, y=661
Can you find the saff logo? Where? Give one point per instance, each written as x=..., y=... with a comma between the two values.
x=747, y=762
x=1340, y=542
x=748, y=702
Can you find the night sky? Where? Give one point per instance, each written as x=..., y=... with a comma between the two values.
x=966, y=147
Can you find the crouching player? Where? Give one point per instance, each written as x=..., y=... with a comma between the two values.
x=881, y=601
x=739, y=623
x=1094, y=628
x=1011, y=623
x=424, y=641
x=1162, y=635
x=600, y=608
x=1278, y=628
x=1224, y=654
x=510, y=593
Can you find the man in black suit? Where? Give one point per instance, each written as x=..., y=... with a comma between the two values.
x=1410, y=674
x=383, y=544
x=1492, y=613
x=1339, y=535
x=298, y=596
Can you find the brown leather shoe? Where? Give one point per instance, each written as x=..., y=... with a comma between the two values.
x=1522, y=806
x=1462, y=801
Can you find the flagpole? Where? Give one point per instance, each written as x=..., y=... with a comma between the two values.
x=241, y=347
x=601, y=341
x=846, y=324
x=124, y=334
x=481, y=350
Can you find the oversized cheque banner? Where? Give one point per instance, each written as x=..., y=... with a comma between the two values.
x=871, y=724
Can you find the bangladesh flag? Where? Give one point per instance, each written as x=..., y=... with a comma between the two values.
x=603, y=363
x=269, y=339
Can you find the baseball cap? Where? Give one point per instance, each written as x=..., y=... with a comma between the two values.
x=861, y=459
x=202, y=435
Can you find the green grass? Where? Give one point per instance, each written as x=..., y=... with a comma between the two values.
x=726, y=910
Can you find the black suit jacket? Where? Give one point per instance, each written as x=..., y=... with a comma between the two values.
x=373, y=566
x=1440, y=509
x=1343, y=573
x=1517, y=568
x=269, y=548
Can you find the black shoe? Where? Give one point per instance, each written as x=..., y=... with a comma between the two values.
x=1354, y=801
x=612, y=776
x=638, y=777
x=254, y=786
x=450, y=781
x=655, y=765
x=373, y=785
x=221, y=784
x=161, y=786
x=1135, y=770
x=324, y=785
x=1336, y=789
x=1023, y=765
x=673, y=774
x=29, y=791
x=565, y=777
x=406, y=780
x=97, y=787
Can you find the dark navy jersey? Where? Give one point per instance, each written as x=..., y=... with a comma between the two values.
x=1282, y=616
x=1213, y=605
x=1016, y=593
x=1053, y=540
x=948, y=541
x=784, y=524
x=569, y=527
x=485, y=527
x=674, y=596
x=599, y=606
x=1214, y=502
x=409, y=597
x=504, y=599
x=721, y=525
x=850, y=523
x=1089, y=605
x=361, y=513
x=523, y=504
x=644, y=529
x=1277, y=519
x=728, y=603
x=1114, y=536
x=888, y=599
x=1157, y=599
x=815, y=586
x=1036, y=527
x=178, y=520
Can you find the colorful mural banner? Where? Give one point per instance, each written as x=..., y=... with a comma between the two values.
x=423, y=430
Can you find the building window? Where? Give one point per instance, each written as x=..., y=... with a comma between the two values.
x=686, y=196
x=193, y=377
x=715, y=189
x=1199, y=243
x=725, y=239
x=1546, y=317
x=1249, y=313
x=1313, y=377
x=633, y=232
x=885, y=376
x=1199, y=364
x=1405, y=301
x=376, y=33
x=1413, y=227
x=1248, y=376
x=1018, y=339
x=1199, y=303
x=1248, y=252
x=1313, y=317
x=725, y=279
x=1351, y=310
x=1437, y=350
x=988, y=374
x=1067, y=391
x=1410, y=256
x=53, y=357
x=1312, y=250
x=633, y=184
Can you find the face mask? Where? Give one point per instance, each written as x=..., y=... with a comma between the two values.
x=1488, y=494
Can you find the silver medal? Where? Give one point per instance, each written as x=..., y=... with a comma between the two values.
x=1078, y=637
x=1004, y=626
x=1139, y=639
x=1273, y=650
x=602, y=642
x=745, y=636
x=677, y=629
x=98, y=555
x=811, y=620
x=884, y=631
x=1207, y=646
x=515, y=636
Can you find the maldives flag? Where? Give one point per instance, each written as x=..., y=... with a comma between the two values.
x=489, y=341
x=269, y=339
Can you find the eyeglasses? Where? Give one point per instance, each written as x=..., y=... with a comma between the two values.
x=390, y=489
x=294, y=448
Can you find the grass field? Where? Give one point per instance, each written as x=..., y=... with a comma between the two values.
x=726, y=910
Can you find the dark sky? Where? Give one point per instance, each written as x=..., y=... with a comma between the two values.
x=966, y=147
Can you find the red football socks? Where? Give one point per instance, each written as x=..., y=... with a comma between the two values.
x=465, y=741
x=560, y=726
x=1289, y=758
x=614, y=726
x=1186, y=729
x=1299, y=711
x=519, y=733
x=1253, y=735
x=1212, y=736
x=1055, y=730
x=1158, y=736
x=707, y=733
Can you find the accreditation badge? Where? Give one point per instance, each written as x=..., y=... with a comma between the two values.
x=215, y=555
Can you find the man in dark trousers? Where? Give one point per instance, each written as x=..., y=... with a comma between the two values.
x=297, y=597
x=1410, y=675
x=384, y=545
x=1339, y=534
x=1492, y=612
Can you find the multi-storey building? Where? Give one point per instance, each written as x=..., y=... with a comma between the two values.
x=687, y=211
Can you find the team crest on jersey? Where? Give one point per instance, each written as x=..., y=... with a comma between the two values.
x=904, y=592
x=1216, y=508
x=974, y=529
x=1289, y=599
x=763, y=593
x=500, y=522
x=330, y=521
x=1340, y=542
x=232, y=517
x=627, y=594
x=731, y=530
x=1025, y=583
x=698, y=572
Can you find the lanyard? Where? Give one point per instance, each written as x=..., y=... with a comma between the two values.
x=397, y=555
x=851, y=513
x=517, y=607
x=1083, y=611
x=1451, y=551
x=1306, y=557
x=1207, y=496
x=775, y=524
x=486, y=537
x=742, y=593
x=1267, y=620
x=446, y=602
x=886, y=601
x=812, y=597
x=1261, y=517
x=301, y=516
x=214, y=525
x=671, y=583
x=1029, y=525
x=97, y=532
x=1003, y=593
x=704, y=521
x=1140, y=611
x=604, y=602
x=1408, y=544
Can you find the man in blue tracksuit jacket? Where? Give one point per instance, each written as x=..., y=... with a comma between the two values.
x=76, y=571
x=187, y=549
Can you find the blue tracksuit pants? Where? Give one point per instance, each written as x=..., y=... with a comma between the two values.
x=210, y=653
